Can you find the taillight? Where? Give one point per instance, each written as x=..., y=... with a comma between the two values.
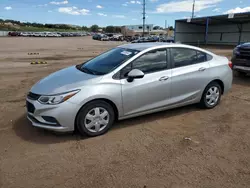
x=230, y=64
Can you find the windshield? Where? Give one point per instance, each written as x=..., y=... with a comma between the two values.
x=108, y=61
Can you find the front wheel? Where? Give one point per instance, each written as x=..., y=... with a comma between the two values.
x=211, y=96
x=95, y=118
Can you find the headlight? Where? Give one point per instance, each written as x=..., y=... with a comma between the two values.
x=57, y=99
x=236, y=51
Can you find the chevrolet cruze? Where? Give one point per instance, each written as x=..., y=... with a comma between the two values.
x=127, y=81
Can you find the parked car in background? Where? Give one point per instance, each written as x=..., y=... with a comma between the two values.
x=153, y=39
x=118, y=37
x=24, y=34
x=96, y=37
x=141, y=40
x=36, y=35
x=104, y=38
x=110, y=35
x=128, y=81
x=128, y=38
x=241, y=59
x=64, y=34
x=47, y=34
x=14, y=34
x=56, y=35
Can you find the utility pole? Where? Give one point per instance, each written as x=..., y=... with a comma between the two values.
x=143, y=18
x=193, y=9
x=166, y=24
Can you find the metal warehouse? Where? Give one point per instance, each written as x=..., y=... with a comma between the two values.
x=229, y=29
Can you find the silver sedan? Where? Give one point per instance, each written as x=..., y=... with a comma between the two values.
x=127, y=81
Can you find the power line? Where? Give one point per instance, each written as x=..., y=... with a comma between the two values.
x=144, y=17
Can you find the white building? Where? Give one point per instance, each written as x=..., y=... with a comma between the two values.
x=139, y=28
x=132, y=30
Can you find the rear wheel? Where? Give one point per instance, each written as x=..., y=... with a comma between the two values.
x=95, y=118
x=211, y=96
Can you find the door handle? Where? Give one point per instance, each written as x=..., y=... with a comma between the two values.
x=163, y=78
x=202, y=69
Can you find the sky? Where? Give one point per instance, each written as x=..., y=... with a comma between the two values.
x=114, y=12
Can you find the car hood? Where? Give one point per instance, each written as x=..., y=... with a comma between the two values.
x=245, y=45
x=64, y=80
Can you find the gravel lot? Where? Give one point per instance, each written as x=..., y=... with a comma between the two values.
x=148, y=151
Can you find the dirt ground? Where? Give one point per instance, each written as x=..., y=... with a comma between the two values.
x=148, y=151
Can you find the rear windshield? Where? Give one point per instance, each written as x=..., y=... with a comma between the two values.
x=108, y=61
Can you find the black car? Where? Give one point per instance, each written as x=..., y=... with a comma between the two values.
x=96, y=37
x=241, y=59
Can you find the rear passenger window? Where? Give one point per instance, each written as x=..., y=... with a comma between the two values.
x=201, y=57
x=184, y=57
x=209, y=57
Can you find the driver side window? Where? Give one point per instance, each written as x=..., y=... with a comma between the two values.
x=152, y=61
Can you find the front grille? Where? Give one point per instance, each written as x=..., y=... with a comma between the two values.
x=33, y=96
x=242, y=63
x=244, y=53
x=30, y=107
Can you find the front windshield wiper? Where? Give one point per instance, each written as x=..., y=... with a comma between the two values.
x=84, y=69
x=88, y=71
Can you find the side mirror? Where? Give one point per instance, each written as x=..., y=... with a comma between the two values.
x=135, y=74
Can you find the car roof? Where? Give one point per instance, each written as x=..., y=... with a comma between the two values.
x=143, y=46
x=147, y=45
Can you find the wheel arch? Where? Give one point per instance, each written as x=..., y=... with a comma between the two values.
x=220, y=82
x=116, y=111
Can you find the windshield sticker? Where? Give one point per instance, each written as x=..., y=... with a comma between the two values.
x=126, y=53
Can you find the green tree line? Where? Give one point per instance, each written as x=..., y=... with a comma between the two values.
x=40, y=26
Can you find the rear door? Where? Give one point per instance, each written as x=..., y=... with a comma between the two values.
x=190, y=74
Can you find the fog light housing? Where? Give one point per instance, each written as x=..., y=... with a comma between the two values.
x=51, y=120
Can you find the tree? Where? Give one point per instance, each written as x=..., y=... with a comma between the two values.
x=110, y=29
x=156, y=27
x=37, y=25
x=171, y=28
x=85, y=28
x=94, y=28
x=49, y=25
x=117, y=30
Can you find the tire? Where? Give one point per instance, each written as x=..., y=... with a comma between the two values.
x=92, y=124
x=205, y=101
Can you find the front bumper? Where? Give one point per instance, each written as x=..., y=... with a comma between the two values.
x=242, y=65
x=64, y=114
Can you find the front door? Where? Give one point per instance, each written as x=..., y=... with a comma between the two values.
x=153, y=90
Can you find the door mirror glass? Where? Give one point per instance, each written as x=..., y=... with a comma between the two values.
x=135, y=74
